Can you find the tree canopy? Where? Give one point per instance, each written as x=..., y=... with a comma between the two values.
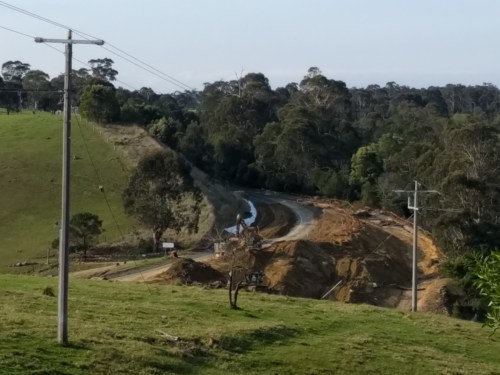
x=161, y=193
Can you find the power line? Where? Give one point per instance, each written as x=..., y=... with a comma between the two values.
x=26, y=91
x=31, y=14
x=152, y=70
x=149, y=66
x=183, y=86
x=98, y=176
x=15, y=31
x=89, y=66
x=103, y=191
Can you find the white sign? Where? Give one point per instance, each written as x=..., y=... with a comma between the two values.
x=168, y=245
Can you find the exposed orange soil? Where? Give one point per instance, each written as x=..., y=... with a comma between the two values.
x=370, y=253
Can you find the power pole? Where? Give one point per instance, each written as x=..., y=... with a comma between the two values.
x=415, y=209
x=62, y=316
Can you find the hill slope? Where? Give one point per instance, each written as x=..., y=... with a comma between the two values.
x=30, y=183
x=119, y=328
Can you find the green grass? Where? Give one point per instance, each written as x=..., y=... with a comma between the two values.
x=30, y=183
x=114, y=329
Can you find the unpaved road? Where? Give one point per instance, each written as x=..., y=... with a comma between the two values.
x=305, y=220
x=305, y=215
x=150, y=273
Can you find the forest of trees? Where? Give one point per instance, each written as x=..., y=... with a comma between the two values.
x=315, y=137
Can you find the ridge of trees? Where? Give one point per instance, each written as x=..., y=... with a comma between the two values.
x=315, y=137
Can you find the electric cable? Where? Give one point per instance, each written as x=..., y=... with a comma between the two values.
x=17, y=32
x=62, y=52
x=84, y=35
x=103, y=191
x=99, y=179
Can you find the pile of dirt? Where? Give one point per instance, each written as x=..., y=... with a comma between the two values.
x=298, y=268
x=370, y=254
x=188, y=271
x=372, y=257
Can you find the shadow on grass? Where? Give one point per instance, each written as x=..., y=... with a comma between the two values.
x=245, y=341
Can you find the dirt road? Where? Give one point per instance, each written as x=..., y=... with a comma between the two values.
x=150, y=273
x=305, y=218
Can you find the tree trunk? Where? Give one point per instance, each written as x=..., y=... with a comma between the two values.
x=157, y=233
x=231, y=289
x=235, y=299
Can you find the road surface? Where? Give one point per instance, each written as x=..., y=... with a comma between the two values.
x=305, y=220
x=305, y=215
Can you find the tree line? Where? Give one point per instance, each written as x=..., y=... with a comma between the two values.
x=316, y=137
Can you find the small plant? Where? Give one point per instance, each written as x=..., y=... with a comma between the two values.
x=488, y=282
x=48, y=291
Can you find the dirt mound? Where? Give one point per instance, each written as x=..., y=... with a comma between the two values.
x=372, y=259
x=370, y=254
x=299, y=268
x=188, y=271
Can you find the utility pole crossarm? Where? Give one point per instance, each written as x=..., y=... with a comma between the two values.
x=98, y=42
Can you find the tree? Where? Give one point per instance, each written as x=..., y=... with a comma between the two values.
x=36, y=81
x=103, y=68
x=14, y=70
x=84, y=229
x=161, y=193
x=488, y=282
x=98, y=103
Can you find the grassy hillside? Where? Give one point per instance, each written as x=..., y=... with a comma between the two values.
x=30, y=183
x=115, y=328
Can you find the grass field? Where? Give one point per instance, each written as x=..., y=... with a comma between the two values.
x=116, y=328
x=30, y=183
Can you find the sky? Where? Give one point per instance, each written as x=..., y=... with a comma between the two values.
x=417, y=43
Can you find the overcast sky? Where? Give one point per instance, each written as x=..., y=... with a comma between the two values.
x=419, y=43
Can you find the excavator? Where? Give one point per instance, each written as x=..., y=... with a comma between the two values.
x=249, y=234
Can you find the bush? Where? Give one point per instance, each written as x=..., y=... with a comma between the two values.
x=488, y=282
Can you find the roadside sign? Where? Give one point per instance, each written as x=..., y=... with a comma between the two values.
x=168, y=245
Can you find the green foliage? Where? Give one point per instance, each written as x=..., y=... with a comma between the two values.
x=103, y=69
x=84, y=229
x=48, y=291
x=98, y=103
x=366, y=166
x=167, y=131
x=331, y=183
x=468, y=302
x=14, y=70
x=55, y=243
x=488, y=282
x=162, y=195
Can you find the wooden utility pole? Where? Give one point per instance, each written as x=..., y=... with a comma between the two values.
x=62, y=317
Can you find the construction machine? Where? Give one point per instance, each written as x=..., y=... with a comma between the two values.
x=249, y=234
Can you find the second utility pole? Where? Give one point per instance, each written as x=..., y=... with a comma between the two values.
x=415, y=209
x=62, y=315
x=415, y=247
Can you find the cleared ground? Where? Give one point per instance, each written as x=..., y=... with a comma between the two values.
x=310, y=245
